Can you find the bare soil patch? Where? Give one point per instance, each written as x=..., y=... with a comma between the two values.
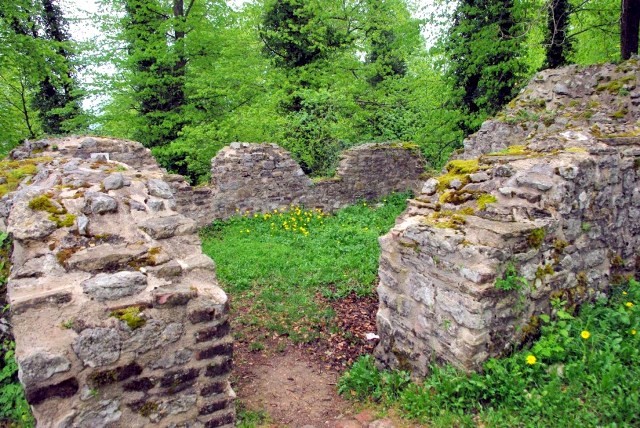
x=296, y=384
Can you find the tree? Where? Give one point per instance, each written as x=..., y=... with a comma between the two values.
x=154, y=37
x=295, y=34
x=57, y=99
x=38, y=89
x=558, y=44
x=484, y=53
x=629, y=27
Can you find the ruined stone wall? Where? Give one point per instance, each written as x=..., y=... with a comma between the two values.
x=117, y=315
x=262, y=177
x=550, y=190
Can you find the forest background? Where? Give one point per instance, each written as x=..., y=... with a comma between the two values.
x=187, y=77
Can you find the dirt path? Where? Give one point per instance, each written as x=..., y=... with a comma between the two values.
x=296, y=385
x=293, y=389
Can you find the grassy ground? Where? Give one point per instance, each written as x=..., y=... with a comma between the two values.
x=275, y=265
x=582, y=372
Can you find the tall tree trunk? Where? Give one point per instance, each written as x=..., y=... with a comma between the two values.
x=629, y=26
x=557, y=44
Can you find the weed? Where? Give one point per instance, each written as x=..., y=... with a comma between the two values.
x=536, y=238
x=68, y=324
x=510, y=280
x=256, y=346
x=250, y=418
x=14, y=408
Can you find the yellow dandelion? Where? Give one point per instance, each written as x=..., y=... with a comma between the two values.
x=633, y=332
x=624, y=293
x=585, y=334
x=629, y=304
x=531, y=359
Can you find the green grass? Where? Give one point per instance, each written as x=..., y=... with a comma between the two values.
x=275, y=265
x=583, y=371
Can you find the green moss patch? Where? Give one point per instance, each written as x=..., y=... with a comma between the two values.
x=515, y=150
x=457, y=169
x=484, y=200
x=131, y=315
x=15, y=171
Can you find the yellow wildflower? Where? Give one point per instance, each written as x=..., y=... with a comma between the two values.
x=531, y=359
x=629, y=304
x=633, y=332
x=585, y=334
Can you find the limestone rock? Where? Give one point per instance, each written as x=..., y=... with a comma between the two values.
x=104, y=256
x=153, y=335
x=41, y=365
x=166, y=227
x=113, y=182
x=97, y=346
x=114, y=286
x=430, y=186
x=39, y=266
x=105, y=414
x=159, y=189
x=100, y=203
x=25, y=224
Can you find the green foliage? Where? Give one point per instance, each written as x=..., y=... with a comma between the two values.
x=297, y=33
x=13, y=404
x=364, y=381
x=37, y=76
x=484, y=49
x=583, y=371
x=4, y=260
x=511, y=280
x=275, y=263
x=250, y=418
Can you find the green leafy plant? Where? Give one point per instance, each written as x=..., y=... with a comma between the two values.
x=13, y=404
x=511, y=280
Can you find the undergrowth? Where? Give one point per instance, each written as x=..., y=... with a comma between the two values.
x=583, y=371
x=275, y=264
x=14, y=410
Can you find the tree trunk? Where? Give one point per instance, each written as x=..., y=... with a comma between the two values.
x=629, y=26
x=557, y=44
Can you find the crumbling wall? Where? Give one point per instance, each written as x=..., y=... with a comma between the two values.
x=546, y=196
x=262, y=177
x=116, y=312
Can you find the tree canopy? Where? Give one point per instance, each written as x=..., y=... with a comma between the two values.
x=186, y=77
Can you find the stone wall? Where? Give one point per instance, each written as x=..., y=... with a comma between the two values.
x=262, y=177
x=116, y=312
x=549, y=190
